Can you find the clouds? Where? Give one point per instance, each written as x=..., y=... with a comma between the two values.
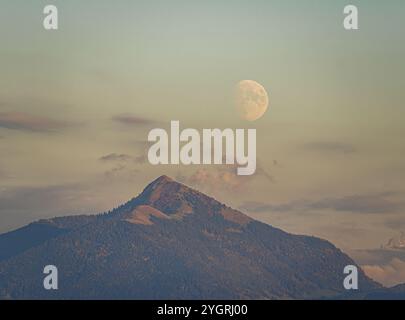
x=396, y=243
x=213, y=180
x=24, y=204
x=330, y=147
x=260, y=207
x=115, y=157
x=128, y=119
x=222, y=178
x=123, y=165
x=367, y=203
x=20, y=205
x=28, y=122
x=385, y=264
x=35, y=197
x=389, y=274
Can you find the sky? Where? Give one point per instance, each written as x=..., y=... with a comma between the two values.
x=76, y=106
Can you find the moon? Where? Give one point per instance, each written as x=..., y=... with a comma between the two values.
x=251, y=100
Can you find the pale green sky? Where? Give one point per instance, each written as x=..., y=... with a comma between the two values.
x=332, y=138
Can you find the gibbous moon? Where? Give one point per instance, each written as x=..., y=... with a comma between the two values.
x=251, y=100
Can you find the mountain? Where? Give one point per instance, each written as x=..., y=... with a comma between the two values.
x=170, y=242
x=394, y=293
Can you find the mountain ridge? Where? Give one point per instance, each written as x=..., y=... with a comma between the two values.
x=174, y=242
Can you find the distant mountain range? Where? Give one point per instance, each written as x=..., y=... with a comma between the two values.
x=171, y=242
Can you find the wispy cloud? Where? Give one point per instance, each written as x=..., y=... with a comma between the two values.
x=390, y=274
x=115, y=157
x=29, y=122
x=396, y=243
x=213, y=179
x=133, y=120
x=331, y=147
x=222, y=178
x=259, y=207
x=368, y=203
x=21, y=205
x=39, y=197
x=123, y=165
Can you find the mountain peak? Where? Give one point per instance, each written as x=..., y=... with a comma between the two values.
x=171, y=197
x=174, y=198
x=153, y=189
x=157, y=184
x=163, y=189
x=162, y=179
